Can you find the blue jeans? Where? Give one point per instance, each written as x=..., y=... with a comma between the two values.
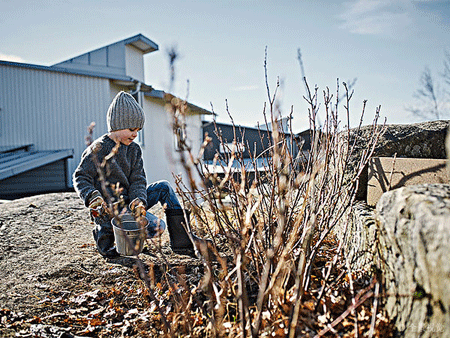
x=162, y=192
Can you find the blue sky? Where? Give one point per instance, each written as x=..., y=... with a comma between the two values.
x=385, y=44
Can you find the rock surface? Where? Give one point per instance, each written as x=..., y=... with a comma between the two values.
x=46, y=246
x=417, y=140
x=447, y=147
x=359, y=236
x=414, y=225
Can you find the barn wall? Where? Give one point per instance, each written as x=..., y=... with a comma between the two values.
x=51, y=110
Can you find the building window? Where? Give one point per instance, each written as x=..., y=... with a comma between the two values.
x=140, y=137
x=179, y=139
x=228, y=148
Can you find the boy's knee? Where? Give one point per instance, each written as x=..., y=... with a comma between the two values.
x=155, y=227
x=162, y=185
x=167, y=186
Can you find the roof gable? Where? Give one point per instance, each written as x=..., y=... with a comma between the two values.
x=111, y=59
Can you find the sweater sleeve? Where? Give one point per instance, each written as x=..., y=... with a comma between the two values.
x=84, y=177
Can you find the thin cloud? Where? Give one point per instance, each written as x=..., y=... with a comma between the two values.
x=11, y=58
x=244, y=88
x=377, y=16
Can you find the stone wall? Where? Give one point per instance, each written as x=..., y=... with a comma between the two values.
x=407, y=235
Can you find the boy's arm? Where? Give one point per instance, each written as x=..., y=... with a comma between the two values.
x=84, y=179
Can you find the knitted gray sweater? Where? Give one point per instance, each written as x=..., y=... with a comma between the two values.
x=126, y=168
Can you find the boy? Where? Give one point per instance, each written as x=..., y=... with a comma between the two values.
x=124, y=174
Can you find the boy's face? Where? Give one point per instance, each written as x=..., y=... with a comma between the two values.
x=125, y=136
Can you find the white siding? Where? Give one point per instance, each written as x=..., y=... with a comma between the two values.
x=194, y=132
x=51, y=110
x=134, y=63
x=161, y=161
x=158, y=142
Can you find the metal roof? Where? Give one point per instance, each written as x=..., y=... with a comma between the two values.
x=138, y=41
x=14, y=163
x=69, y=71
x=162, y=96
x=250, y=165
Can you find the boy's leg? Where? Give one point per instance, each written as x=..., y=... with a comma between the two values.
x=177, y=224
x=162, y=191
x=104, y=236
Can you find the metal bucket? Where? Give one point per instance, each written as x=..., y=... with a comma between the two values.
x=129, y=235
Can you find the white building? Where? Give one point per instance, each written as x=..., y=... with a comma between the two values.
x=45, y=112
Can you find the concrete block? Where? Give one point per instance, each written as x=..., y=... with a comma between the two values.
x=388, y=173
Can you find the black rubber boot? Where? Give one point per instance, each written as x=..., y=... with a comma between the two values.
x=179, y=239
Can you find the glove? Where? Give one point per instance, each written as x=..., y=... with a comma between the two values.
x=97, y=206
x=96, y=202
x=137, y=207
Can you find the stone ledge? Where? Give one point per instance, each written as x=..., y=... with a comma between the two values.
x=388, y=173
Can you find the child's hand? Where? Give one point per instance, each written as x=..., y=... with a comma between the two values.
x=138, y=208
x=97, y=206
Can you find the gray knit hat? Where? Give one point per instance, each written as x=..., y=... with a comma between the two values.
x=124, y=113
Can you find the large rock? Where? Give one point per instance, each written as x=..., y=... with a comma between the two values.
x=417, y=140
x=408, y=235
x=414, y=233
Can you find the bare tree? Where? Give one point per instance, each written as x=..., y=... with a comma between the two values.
x=427, y=98
x=433, y=94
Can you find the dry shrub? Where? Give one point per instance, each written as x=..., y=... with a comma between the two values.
x=275, y=259
x=276, y=267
